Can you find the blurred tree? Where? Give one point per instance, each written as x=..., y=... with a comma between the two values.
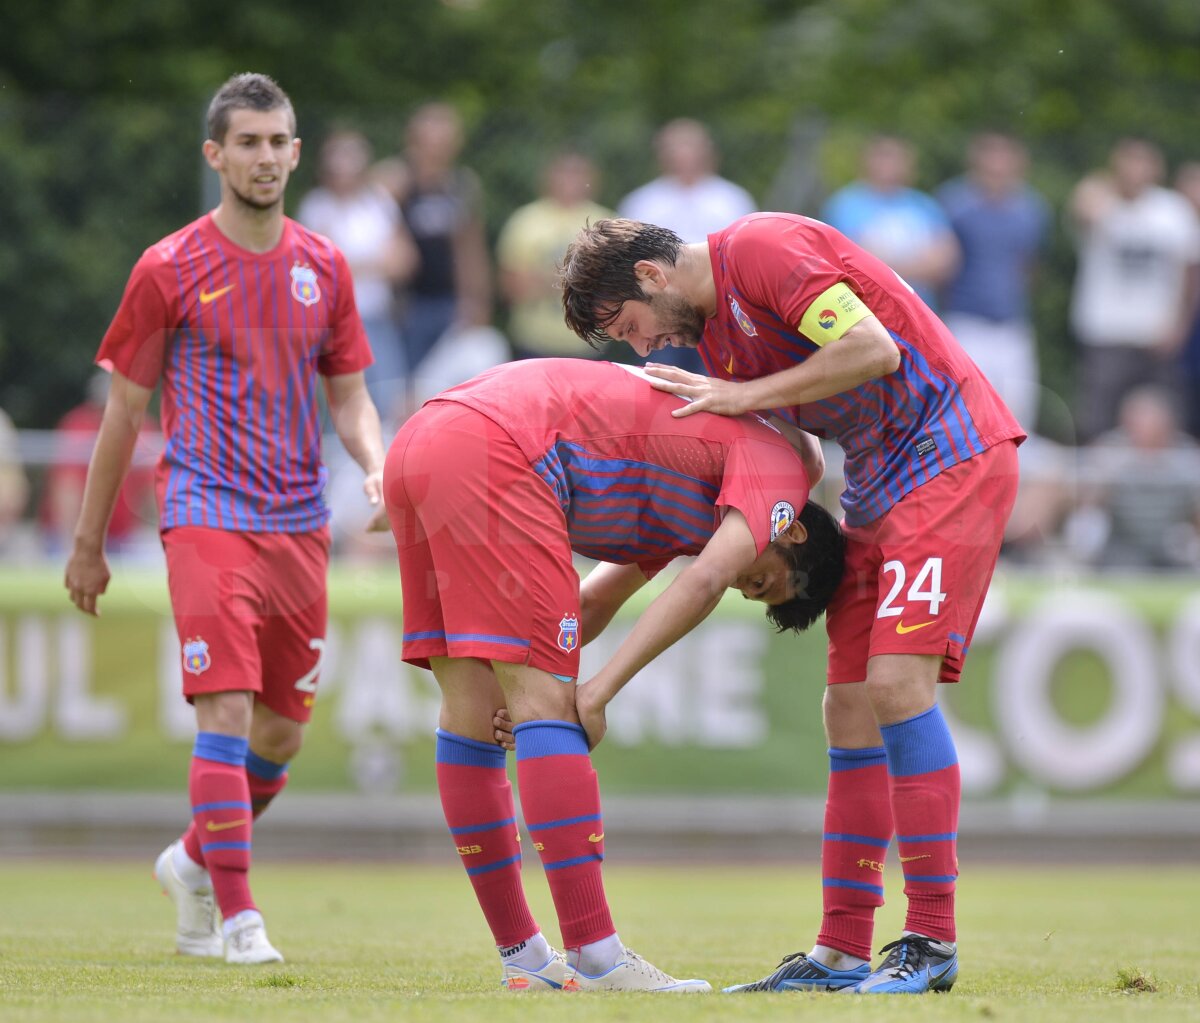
x=101, y=110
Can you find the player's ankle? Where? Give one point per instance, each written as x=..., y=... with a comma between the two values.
x=834, y=958
x=530, y=954
x=598, y=956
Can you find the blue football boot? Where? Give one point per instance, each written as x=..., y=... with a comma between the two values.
x=798, y=972
x=914, y=964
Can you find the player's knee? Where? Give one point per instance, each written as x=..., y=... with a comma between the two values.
x=226, y=713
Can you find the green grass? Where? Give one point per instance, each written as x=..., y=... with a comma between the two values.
x=84, y=941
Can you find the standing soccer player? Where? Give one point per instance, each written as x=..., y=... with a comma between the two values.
x=790, y=315
x=490, y=487
x=236, y=314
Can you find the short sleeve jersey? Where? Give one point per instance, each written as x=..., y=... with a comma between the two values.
x=237, y=339
x=636, y=485
x=787, y=286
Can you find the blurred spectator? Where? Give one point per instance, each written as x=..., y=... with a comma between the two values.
x=442, y=203
x=1132, y=305
x=1187, y=183
x=689, y=198
x=1000, y=223
x=889, y=218
x=362, y=219
x=531, y=245
x=1141, y=507
x=134, y=517
x=14, y=484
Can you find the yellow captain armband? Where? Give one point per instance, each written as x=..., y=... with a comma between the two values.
x=832, y=313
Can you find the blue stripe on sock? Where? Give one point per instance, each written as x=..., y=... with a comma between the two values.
x=458, y=749
x=560, y=864
x=549, y=739
x=841, y=759
x=561, y=823
x=221, y=749
x=494, y=866
x=490, y=826
x=862, y=886
x=878, y=843
x=263, y=768
x=207, y=807
x=224, y=845
x=949, y=836
x=920, y=745
x=932, y=878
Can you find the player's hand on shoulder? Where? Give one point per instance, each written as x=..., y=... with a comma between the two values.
x=590, y=709
x=705, y=394
x=86, y=577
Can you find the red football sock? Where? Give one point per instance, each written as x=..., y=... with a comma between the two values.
x=477, y=800
x=560, y=798
x=222, y=816
x=266, y=781
x=926, y=789
x=858, y=828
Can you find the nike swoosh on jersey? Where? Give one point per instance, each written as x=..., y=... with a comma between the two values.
x=210, y=296
x=593, y=837
x=903, y=629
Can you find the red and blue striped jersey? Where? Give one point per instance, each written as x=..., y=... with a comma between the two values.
x=636, y=485
x=237, y=339
x=898, y=431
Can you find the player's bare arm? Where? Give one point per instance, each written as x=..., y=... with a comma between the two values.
x=603, y=593
x=683, y=605
x=87, y=573
x=356, y=421
x=865, y=352
x=807, y=447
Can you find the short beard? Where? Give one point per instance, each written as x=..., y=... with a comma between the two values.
x=253, y=204
x=679, y=318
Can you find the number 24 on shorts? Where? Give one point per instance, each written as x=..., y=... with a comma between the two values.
x=927, y=586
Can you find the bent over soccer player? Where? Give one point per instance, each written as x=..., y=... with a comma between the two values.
x=489, y=488
x=237, y=314
x=789, y=315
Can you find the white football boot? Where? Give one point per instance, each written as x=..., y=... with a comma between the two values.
x=197, y=923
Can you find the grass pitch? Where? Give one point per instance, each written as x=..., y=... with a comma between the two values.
x=84, y=941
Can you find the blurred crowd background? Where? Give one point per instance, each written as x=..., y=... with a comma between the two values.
x=1032, y=170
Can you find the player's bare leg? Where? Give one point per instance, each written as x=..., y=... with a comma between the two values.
x=560, y=800
x=925, y=790
x=477, y=800
x=858, y=828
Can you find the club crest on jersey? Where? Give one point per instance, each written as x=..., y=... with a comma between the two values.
x=743, y=320
x=568, y=633
x=826, y=318
x=782, y=517
x=195, y=656
x=305, y=288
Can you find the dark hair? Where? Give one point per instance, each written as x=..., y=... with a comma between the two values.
x=247, y=91
x=597, y=273
x=816, y=568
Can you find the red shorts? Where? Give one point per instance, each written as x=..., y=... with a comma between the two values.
x=916, y=577
x=485, y=560
x=250, y=609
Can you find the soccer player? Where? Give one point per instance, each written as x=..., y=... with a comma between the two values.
x=789, y=315
x=489, y=488
x=237, y=314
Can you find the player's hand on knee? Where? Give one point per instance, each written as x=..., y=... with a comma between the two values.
x=504, y=729
x=591, y=715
